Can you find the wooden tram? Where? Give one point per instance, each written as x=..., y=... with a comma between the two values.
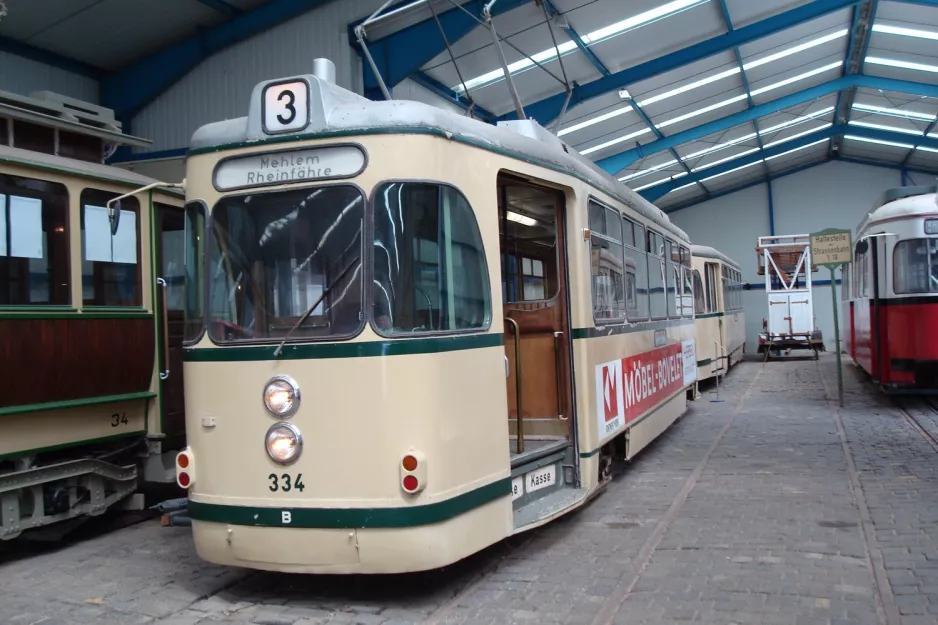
x=719, y=319
x=891, y=292
x=91, y=315
x=359, y=398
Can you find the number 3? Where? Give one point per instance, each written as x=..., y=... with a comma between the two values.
x=286, y=93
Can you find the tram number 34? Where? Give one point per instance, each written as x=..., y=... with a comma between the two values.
x=118, y=418
x=285, y=482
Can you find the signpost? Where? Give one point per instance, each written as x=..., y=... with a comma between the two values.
x=832, y=248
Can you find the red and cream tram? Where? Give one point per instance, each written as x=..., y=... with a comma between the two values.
x=892, y=290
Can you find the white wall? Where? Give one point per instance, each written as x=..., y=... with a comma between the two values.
x=22, y=76
x=832, y=195
x=220, y=87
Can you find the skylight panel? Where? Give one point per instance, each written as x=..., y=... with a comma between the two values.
x=612, y=142
x=907, y=131
x=650, y=170
x=662, y=181
x=594, y=120
x=798, y=149
x=796, y=49
x=921, y=67
x=724, y=160
x=788, y=81
x=905, y=32
x=731, y=170
x=903, y=113
x=596, y=36
x=894, y=144
x=800, y=134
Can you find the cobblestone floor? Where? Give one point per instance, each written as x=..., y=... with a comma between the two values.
x=774, y=507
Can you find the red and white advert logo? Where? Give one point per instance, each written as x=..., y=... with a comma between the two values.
x=628, y=388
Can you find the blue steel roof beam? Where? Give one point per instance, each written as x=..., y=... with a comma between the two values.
x=401, y=53
x=222, y=7
x=654, y=129
x=130, y=89
x=620, y=161
x=742, y=72
x=861, y=32
x=49, y=58
x=908, y=157
x=658, y=191
x=544, y=111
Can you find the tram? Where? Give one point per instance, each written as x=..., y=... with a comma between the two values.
x=719, y=320
x=891, y=292
x=401, y=361
x=91, y=402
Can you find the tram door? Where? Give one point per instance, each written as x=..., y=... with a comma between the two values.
x=537, y=329
x=170, y=254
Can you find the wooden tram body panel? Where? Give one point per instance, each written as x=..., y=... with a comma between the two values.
x=893, y=308
x=448, y=398
x=719, y=322
x=80, y=378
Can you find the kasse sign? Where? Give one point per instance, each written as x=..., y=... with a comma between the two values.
x=627, y=388
x=271, y=168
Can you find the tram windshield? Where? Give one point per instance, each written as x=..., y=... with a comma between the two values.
x=915, y=266
x=274, y=254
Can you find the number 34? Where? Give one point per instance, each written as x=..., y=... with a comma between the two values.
x=285, y=482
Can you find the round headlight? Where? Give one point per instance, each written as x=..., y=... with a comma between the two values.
x=282, y=396
x=284, y=443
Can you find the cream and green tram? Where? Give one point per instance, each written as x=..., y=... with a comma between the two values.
x=90, y=319
x=420, y=334
x=720, y=322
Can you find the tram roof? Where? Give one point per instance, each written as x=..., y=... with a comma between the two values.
x=342, y=112
x=705, y=251
x=84, y=169
x=902, y=202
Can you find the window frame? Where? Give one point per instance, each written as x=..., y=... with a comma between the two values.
x=203, y=269
x=895, y=266
x=66, y=234
x=368, y=242
x=644, y=252
x=365, y=257
x=651, y=254
x=606, y=210
x=140, y=255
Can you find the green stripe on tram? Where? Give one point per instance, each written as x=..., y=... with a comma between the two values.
x=331, y=518
x=397, y=347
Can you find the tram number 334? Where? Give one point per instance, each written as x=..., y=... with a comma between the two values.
x=285, y=482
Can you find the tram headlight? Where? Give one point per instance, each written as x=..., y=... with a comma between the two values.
x=284, y=443
x=282, y=396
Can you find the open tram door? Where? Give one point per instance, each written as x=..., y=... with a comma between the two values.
x=535, y=296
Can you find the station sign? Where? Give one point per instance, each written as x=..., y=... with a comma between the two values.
x=831, y=247
x=287, y=167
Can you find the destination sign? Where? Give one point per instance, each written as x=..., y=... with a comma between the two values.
x=340, y=161
x=831, y=247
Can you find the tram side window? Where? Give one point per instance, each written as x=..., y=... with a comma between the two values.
x=700, y=304
x=915, y=266
x=710, y=275
x=656, y=275
x=110, y=263
x=636, y=265
x=193, y=312
x=861, y=274
x=430, y=273
x=34, y=256
x=687, y=300
x=672, y=280
x=608, y=276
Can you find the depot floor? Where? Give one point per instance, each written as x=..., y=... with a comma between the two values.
x=773, y=506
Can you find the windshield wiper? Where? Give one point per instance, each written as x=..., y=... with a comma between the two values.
x=309, y=311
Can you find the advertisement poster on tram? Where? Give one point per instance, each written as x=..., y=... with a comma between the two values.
x=626, y=388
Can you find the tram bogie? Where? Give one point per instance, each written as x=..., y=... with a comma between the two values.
x=890, y=292
x=719, y=320
x=85, y=417
x=359, y=399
